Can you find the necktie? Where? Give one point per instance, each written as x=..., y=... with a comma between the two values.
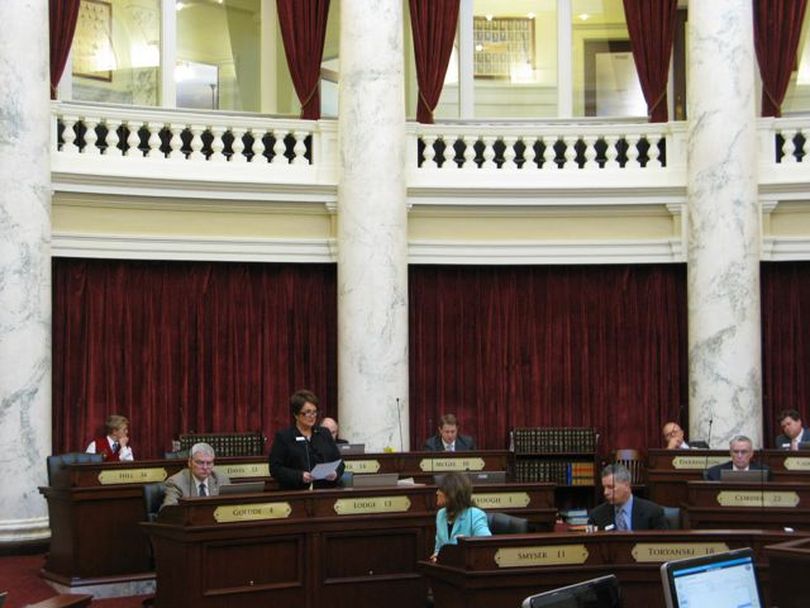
x=794, y=445
x=621, y=522
x=451, y=447
x=116, y=447
x=202, y=490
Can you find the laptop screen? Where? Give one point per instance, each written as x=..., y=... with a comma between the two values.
x=723, y=580
x=602, y=592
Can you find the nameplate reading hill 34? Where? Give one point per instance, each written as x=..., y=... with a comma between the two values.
x=372, y=504
x=252, y=512
x=542, y=555
x=433, y=465
x=664, y=552
x=258, y=469
x=150, y=475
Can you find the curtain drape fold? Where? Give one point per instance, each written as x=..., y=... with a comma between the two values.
x=777, y=28
x=651, y=27
x=303, y=31
x=433, y=23
x=62, y=17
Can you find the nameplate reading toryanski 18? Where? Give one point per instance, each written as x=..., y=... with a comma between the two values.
x=697, y=462
x=252, y=512
x=543, y=555
x=757, y=498
x=113, y=476
x=663, y=552
x=372, y=504
x=362, y=466
x=501, y=500
x=433, y=465
x=797, y=463
x=258, y=469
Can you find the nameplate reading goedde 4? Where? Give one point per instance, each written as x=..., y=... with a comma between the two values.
x=362, y=466
x=433, y=465
x=372, y=504
x=114, y=476
x=252, y=512
x=697, y=462
x=495, y=500
x=663, y=552
x=797, y=463
x=256, y=469
x=542, y=555
x=757, y=498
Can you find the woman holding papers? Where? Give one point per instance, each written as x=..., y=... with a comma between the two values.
x=299, y=449
x=458, y=516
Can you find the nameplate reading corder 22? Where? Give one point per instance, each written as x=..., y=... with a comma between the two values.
x=496, y=500
x=114, y=476
x=433, y=465
x=372, y=504
x=664, y=552
x=252, y=512
x=362, y=466
x=757, y=498
x=543, y=555
x=257, y=469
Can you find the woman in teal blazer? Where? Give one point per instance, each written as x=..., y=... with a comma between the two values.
x=458, y=515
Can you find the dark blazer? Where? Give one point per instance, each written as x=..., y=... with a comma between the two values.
x=646, y=516
x=290, y=457
x=783, y=439
x=464, y=443
x=713, y=473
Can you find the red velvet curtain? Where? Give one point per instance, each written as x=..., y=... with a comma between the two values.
x=433, y=23
x=181, y=346
x=505, y=347
x=651, y=26
x=62, y=16
x=777, y=27
x=303, y=30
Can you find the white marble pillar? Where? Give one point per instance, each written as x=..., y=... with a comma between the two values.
x=723, y=262
x=372, y=227
x=25, y=283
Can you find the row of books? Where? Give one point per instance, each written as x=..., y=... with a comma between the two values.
x=554, y=439
x=228, y=444
x=561, y=472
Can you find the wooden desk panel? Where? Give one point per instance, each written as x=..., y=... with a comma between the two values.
x=668, y=471
x=790, y=564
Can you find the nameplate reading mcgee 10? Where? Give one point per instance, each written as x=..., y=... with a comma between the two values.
x=151, y=475
x=542, y=555
x=437, y=465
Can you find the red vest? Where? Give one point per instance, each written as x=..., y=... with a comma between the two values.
x=103, y=447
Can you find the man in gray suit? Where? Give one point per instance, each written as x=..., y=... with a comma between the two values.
x=448, y=439
x=199, y=480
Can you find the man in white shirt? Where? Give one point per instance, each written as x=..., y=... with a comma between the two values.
x=741, y=449
x=793, y=431
x=200, y=479
x=673, y=437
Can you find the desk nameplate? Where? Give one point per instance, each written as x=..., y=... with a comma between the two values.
x=116, y=476
x=797, y=463
x=252, y=512
x=541, y=555
x=362, y=466
x=502, y=500
x=663, y=552
x=757, y=499
x=257, y=469
x=697, y=463
x=434, y=465
x=372, y=504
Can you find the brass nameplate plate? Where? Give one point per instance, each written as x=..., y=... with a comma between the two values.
x=372, y=504
x=543, y=555
x=502, y=500
x=663, y=552
x=797, y=463
x=151, y=475
x=258, y=469
x=362, y=466
x=252, y=512
x=754, y=498
x=697, y=462
x=436, y=465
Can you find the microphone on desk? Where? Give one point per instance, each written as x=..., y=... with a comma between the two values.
x=399, y=420
x=709, y=443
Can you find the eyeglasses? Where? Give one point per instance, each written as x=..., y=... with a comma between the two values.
x=204, y=463
x=741, y=451
x=308, y=413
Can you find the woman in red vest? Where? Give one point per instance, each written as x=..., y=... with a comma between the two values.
x=115, y=445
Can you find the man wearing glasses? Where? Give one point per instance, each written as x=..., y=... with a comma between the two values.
x=200, y=479
x=742, y=451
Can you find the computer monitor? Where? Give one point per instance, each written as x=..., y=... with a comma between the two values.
x=247, y=487
x=602, y=592
x=751, y=475
x=722, y=580
x=351, y=448
x=375, y=480
x=477, y=477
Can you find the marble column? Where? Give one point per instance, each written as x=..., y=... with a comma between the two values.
x=25, y=283
x=372, y=227
x=724, y=236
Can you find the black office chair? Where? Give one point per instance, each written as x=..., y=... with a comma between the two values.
x=673, y=517
x=153, y=495
x=177, y=455
x=57, y=463
x=503, y=523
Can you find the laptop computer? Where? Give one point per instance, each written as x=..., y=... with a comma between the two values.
x=375, y=480
x=351, y=448
x=248, y=487
x=722, y=580
x=752, y=475
x=477, y=477
x=602, y=592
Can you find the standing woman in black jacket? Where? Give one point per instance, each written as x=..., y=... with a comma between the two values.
x=297, y=449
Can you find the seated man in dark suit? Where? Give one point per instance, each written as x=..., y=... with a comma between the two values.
x=331, y=425
x=448, y=439
x=199, y=479
x=742, y=450
x=621, y=510
x=793, y=431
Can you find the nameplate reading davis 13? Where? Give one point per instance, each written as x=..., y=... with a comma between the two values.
x=663, y=552
x=433, y=465
x=372, y=504
x=252, y=512
x=542, y=555
x=151, y=475
x=258, y=469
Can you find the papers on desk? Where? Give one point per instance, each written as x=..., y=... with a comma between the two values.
x=324, y=469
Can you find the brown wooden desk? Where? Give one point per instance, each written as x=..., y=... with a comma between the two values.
x=790, y=564
x=500, y=571
x=669, y=470
x=771, y=505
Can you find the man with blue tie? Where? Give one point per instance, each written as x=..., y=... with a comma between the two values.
x=621, y=510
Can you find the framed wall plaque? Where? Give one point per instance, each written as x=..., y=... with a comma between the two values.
x=502, y=45
x=93, y=55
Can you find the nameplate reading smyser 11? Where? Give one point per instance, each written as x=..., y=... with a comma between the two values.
x=697, y=462
x=362, y=466
x=797, y=463
x=258, y=469
x=434, y=465
x=756, y=498
x=150, y=475
x=542, y=555
x=252, y=512
x=497, y=500
x=663, y=552
x=372, y=504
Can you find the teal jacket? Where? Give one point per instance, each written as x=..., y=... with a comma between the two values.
x=471, y=522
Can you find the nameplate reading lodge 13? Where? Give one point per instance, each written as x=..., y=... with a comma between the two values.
x=663, y=552
x=110, y=477
x=697, y=462
x=543, y=555
x=757, y=498
x=797, y=463
x=258, y=469
x=362, y=466
x=433, y=465
x=372, y=504
x=252, y=512
x=501, y=500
